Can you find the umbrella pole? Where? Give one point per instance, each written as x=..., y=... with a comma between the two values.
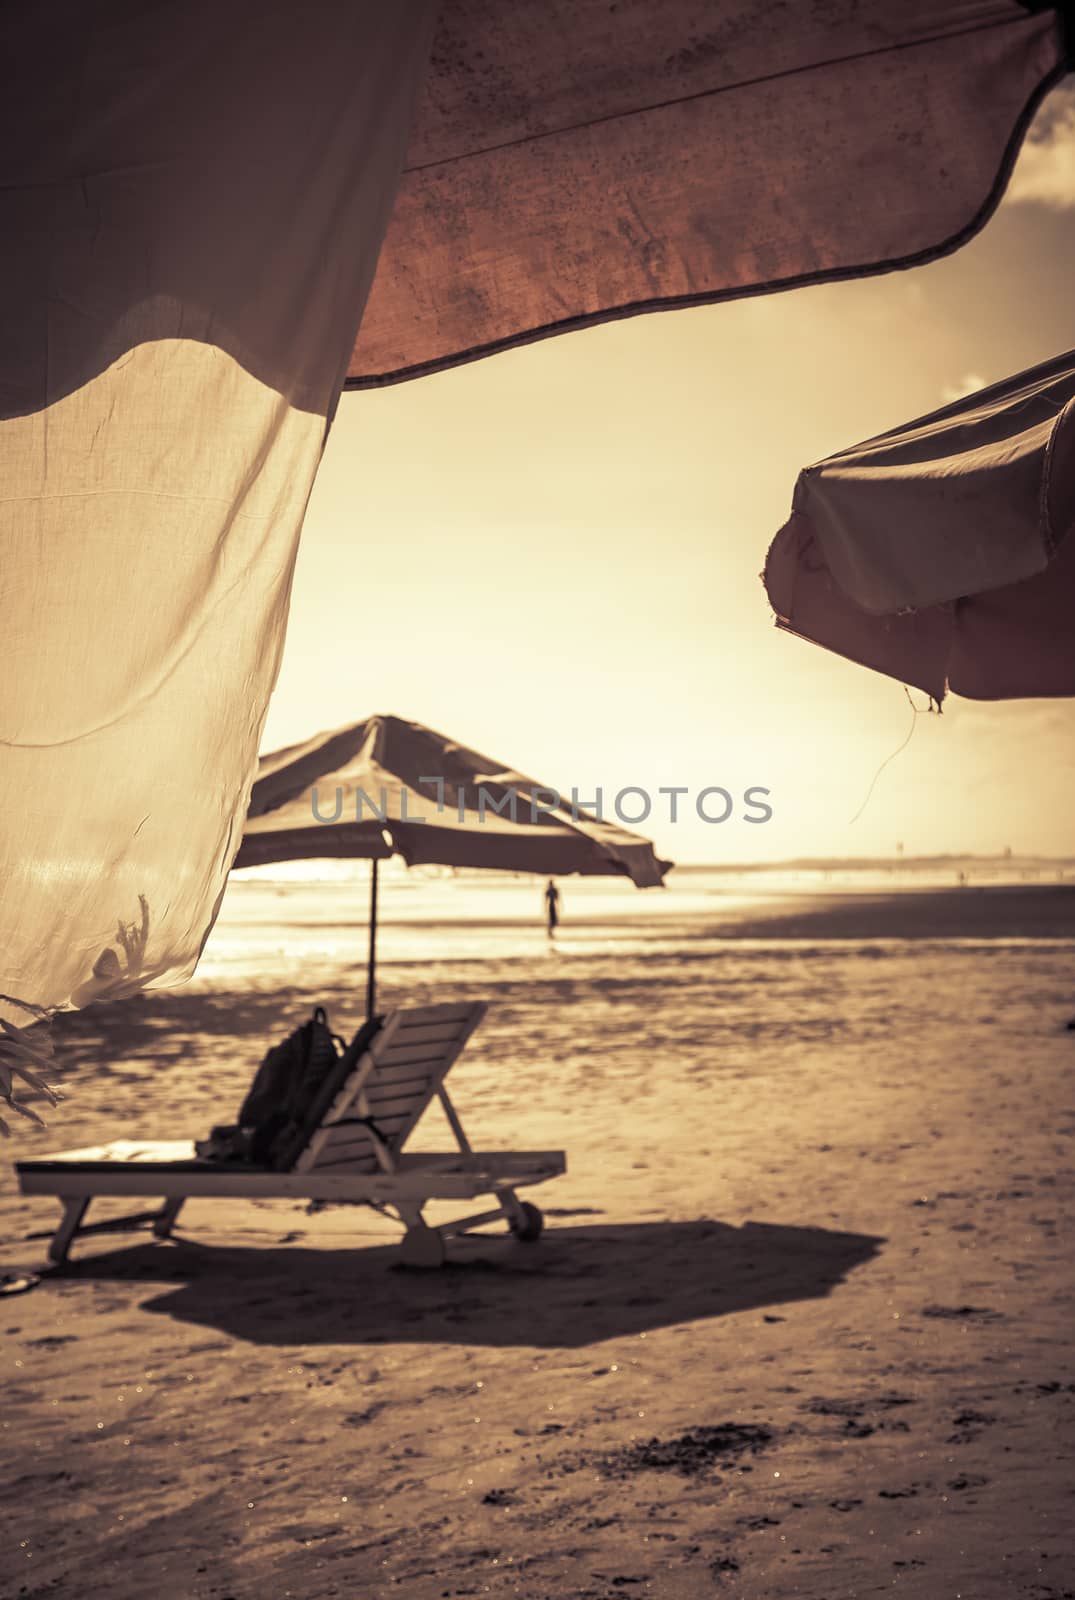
x=371, y=964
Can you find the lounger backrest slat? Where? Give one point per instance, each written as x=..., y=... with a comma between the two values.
x=391, y=1083
x=353, y=1151
x=348, y=1132
x=357, y=1158
x=383, y=1107
x=427, y=1032
x=420, y=1016
x=389, y=1086
x=419, y=1060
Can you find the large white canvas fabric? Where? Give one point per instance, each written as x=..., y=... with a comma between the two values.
x=192, y=201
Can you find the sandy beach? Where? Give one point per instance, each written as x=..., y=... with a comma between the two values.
x=800, y=1323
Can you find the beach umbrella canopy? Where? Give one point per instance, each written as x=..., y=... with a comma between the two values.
x=574, y=161
x=386, y=786
x=194, y=200
x=943, y=553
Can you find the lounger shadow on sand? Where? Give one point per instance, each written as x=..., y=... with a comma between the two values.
x=578, y=1286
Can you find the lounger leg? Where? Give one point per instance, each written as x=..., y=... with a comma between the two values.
x=164, y=1222
x=422, y=1246
x=524, y=1219
x=73, y=1213
x=511, y=1206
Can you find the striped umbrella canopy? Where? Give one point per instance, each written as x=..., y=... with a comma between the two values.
x=387, y=786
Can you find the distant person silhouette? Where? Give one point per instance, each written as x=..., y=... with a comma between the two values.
x=552, y=908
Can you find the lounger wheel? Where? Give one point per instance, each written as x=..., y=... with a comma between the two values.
x=529, y=1227
x=422, y=1247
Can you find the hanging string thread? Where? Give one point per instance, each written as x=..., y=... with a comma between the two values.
x=916, y=712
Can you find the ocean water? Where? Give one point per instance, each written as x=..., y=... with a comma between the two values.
x=277, y=920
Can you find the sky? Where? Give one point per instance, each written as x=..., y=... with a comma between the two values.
x=553, y=555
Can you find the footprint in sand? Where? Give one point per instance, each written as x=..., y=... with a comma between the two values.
x=968, y=1480
x=962, y=1313
x=968, y=1426
x=853, y=1412
x=358, y=1419
x=690, y=1454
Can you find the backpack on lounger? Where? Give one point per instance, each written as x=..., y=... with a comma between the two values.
x=286, y=1085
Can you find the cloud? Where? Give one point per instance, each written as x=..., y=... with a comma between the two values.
x=1045, y=171
x=970, y=383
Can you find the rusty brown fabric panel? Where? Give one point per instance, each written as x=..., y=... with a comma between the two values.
x=575, y=160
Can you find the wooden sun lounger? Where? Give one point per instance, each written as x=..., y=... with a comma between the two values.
x=353, y=1150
